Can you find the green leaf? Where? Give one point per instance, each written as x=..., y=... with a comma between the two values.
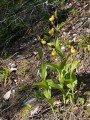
x=51, y=44
x=51, y=101
x=74, y=65
x=58, y=67
x=88, y=47
x=69, y=86
x=47, y=93
x=40, y=52
x=57, y=46
x=72, y=84
x=43, y=72
x=73, y=76
x=43, y=84
x=39, y=94
x=56, y=110
x=81, y=100
x=55, y=85
x=55, y=43
x=62, y=65
x=60, y=25
x=54, y=66
x=67, y=66
x=67, y=78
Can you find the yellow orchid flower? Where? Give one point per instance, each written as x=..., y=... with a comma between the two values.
x=51, y=32
x=73, y=50
x=54, y=52
x=43, y=41
x=52, y=18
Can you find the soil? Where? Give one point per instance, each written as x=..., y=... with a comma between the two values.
x=23, y=53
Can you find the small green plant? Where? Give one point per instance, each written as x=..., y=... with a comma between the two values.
x=5, y=54
x=74, y=12
x=55, y=44
x=4, y=74
x=44, y=84
x=23, y=68
x=81, y=100
x=67, y=80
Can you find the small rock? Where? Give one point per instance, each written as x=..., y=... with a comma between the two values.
x=74, y=34
x=74, y=39
x=30, y=101
x=7, y=95
x=67, y=101
x=74, y=108
x=13, y=69
x=35, y=53
x=88, y=105
x=35, y=111
x=63, y=48
x=57, y=103
x=56, y=59
x=13, y=65
x=13, y=91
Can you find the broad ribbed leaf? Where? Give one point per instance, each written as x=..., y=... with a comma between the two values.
x=55, y=85
x=57, y=46
x=74, y=65
x=43, y=84
x=62, y=65
x=40, y=52
x=51, y=44
x=54, y=66
x=47, y=93
x=43, y=72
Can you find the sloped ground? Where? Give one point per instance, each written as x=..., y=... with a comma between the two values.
x=23, y=54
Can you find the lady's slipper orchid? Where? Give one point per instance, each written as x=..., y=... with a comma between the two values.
x=52, y=18
x=43, y=41
x=54, y=52
x=51, y=32
x=73, y=50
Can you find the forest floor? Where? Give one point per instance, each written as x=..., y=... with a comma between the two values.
x=23, y=56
